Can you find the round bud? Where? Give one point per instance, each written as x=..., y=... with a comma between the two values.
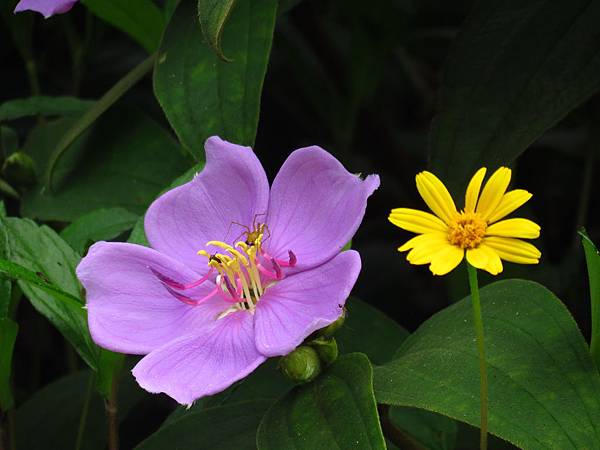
x=326, y=348
x=19, y=169
x=302, y=365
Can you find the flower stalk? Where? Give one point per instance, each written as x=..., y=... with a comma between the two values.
x=483, y=381
x=112, y=423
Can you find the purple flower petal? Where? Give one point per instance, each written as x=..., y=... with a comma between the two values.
x=299, y=305
x=232, y=188
x=315, y=207
x=129, y=308
x=45, y=7
x=193, y=367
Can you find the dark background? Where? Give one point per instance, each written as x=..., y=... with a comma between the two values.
x=362, y=82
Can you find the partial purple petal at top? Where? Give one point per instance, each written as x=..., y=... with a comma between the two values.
x=299, y=305
x=315, y=207
x=129, y=309
x=233, y=187
x=192, y=367
x=45, y=7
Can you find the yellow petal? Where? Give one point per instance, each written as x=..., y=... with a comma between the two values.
x=446, y=260
x=416, y=221
x=516, y=228
x=425, y=252
x=485, y=258
x=514, y=250
x=493, y=192
x=423, y=239
x=436, y=196
x=473, y=190
x=477, y=257
x=510, y=201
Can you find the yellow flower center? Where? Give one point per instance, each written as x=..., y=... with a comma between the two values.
x=238, y=270
x=467, y=230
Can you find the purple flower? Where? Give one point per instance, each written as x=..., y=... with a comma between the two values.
x=45, y=7
x=236, y=273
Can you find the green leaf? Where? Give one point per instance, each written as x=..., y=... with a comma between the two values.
x=140, y=19
x=336, y=411
x=43, y=106
x=123, y=161
x=593, y=265
x=204, y=96
x=51, y=417
x=98, y=225
x=8, y=190
x=17, y=272
x=9, y=141
x=369, y=331
x=432, y=431
x=223, y=427
x=95, y=111
x=8, y=335
x=138, y=235
x=544, y=388
x=41, y=250
x=515, y=69
x=5, y=283
x=212, y=15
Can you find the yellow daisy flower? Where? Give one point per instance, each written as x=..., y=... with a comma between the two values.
x=477, y=230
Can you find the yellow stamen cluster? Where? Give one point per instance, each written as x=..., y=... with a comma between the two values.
x=239, y=265
x=467, y=230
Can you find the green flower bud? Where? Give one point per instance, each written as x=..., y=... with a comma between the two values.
x=330, y=329
x=326, y=348
x=302, y=365
x=19, y=169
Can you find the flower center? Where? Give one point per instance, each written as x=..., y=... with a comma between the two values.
x=467, y=230
x=244, y=272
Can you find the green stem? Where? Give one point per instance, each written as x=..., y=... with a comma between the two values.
x=110, y=405
x=99, y=108
x=32, y=75
x=478, y=322
x=84, y=411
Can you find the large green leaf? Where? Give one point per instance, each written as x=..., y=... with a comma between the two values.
x=124, y=160
x=515, y=69
x=593, y=265
x=41, y=250
x=369, y=331
x=544, y=388
x=44, y=106
x=203, y=95
x=5, y=283
x=138, y=235
x=8, y=335
x=223, y=427
x=212, y=15
x=19, y=273
x=50, y=419
x=101, y=224
x=140, y=19
x=336, y=411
